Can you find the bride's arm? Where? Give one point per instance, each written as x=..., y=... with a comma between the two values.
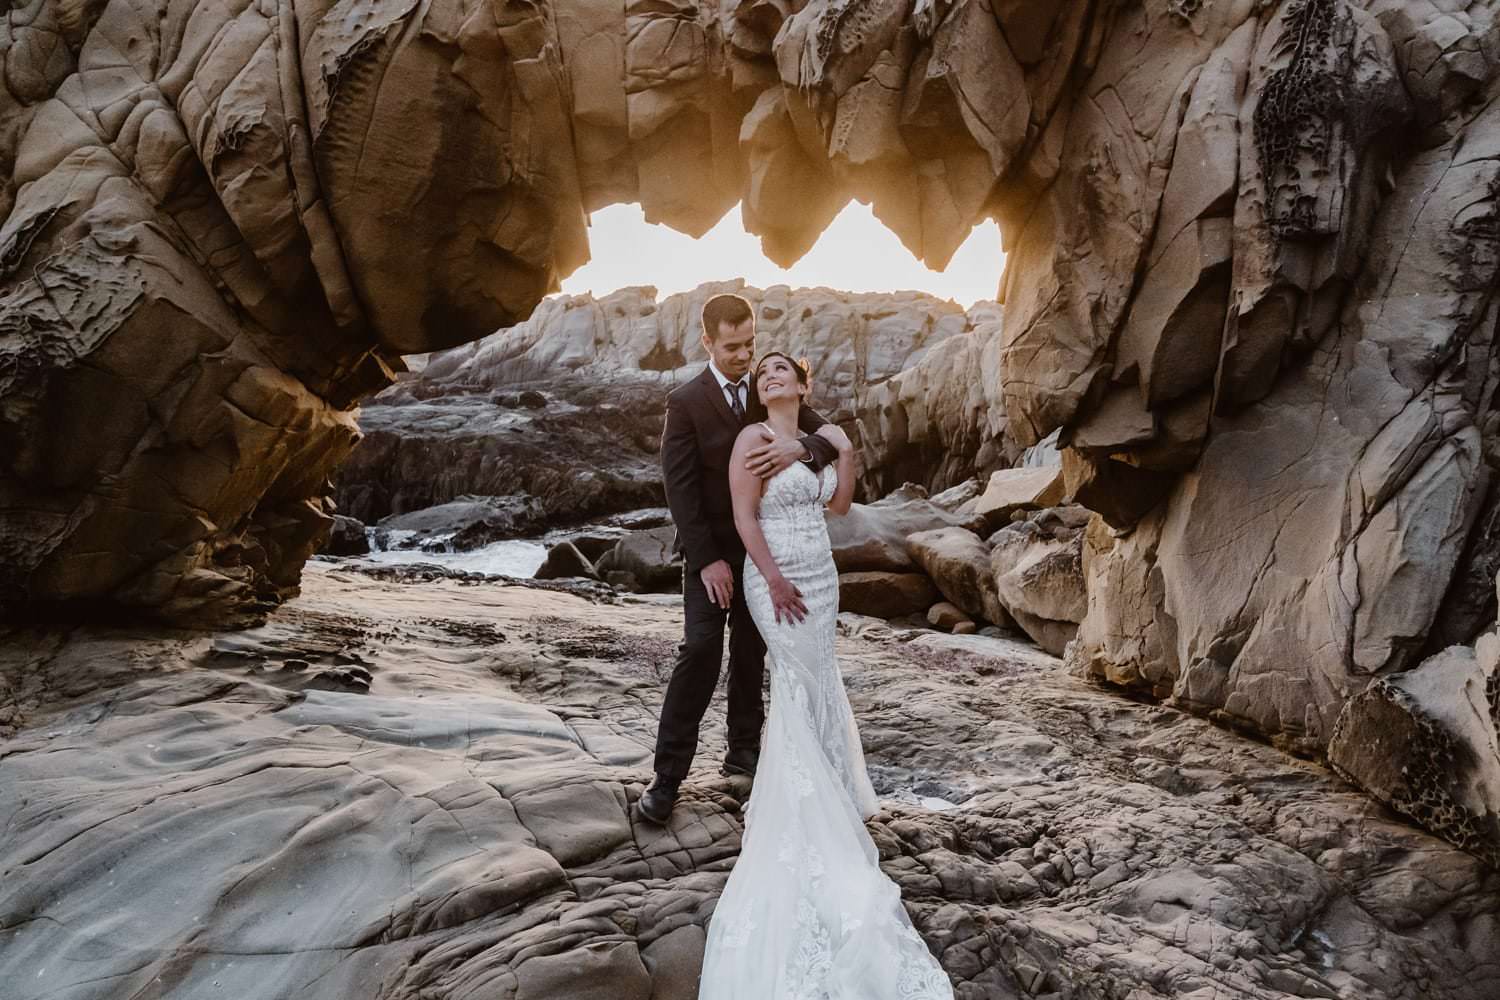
x=745, y=489
x=843, y=495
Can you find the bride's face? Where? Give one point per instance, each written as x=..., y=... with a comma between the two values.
x=777, y=379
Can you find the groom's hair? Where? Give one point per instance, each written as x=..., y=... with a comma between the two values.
x=726, y=308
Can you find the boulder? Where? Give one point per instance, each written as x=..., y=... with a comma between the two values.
x=874, y=536
x=468, y=522
x=1011, y=490
x=565, y=560
x=647, y=556
x=1426, y=742
x=623, y=580
x=1038, y=568
x=347, y=538
x=594, y=544
x=885, y=595
x=956, y=496
x=946, y=616
x=958, y=561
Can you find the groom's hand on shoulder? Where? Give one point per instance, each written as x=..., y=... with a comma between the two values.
x=773, y=454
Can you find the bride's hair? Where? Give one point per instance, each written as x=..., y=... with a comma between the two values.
x=799, y=365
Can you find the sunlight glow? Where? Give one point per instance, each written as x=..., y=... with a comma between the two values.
x=855, y=254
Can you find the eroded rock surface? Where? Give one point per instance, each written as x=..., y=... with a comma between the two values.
x=190, y=814
x=1426, y=742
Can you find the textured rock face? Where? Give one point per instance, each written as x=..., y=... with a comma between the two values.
x=1427, y=743
x=191, y=815
x=1038, y=568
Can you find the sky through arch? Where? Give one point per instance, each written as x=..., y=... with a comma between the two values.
x=856, y=253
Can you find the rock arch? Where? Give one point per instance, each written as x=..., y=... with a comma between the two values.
x=1252, y=256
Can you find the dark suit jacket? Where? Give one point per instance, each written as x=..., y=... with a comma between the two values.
x=695, y=449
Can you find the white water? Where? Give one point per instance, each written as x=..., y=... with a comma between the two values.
x=518, y=557
x=512, y=557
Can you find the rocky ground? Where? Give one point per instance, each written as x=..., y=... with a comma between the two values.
x=418, y=786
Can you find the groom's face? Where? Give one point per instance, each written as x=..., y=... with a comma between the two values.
x=733, y=348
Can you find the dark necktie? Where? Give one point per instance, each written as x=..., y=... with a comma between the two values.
x=734, y=400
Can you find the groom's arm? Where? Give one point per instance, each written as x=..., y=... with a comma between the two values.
x=820, y=451
x=682, y=475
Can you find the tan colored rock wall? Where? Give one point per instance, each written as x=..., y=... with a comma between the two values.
x=1252, y=255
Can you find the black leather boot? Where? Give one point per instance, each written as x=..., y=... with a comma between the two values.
x=657, y=801
x=740, y=762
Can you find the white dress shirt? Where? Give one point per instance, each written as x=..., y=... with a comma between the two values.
x=728, y=388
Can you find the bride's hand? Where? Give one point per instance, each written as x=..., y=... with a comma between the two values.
x=786, y=599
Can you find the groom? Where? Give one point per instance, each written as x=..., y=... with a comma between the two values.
x=704, y=417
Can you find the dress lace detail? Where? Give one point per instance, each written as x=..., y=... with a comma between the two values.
x=807, y=914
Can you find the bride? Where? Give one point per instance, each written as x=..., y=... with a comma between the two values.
x=807, y=913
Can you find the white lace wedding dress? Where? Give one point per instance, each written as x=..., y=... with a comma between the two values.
x=807, y=913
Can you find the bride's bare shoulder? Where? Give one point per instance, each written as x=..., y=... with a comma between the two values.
x=753, y=434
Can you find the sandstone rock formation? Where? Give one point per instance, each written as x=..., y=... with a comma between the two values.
x=874, y=536
x=463, y=829
x=1037, y=562
x=886, y=595
x=1426, y=742
x=1252, y=257
x=958, y=561
x=1008, y=491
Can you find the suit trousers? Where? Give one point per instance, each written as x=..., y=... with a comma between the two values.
x=696, y=674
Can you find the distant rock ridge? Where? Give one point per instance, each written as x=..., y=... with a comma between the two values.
x=568, y=406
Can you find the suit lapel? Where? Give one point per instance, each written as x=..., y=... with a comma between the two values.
x=717, y=399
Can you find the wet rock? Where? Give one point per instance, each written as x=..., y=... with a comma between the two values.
x=428, y=442
x=347, y=537
x=466, y=523
x=565, y=560
x=647, y=556
x=885, y=595
x=623, y=580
